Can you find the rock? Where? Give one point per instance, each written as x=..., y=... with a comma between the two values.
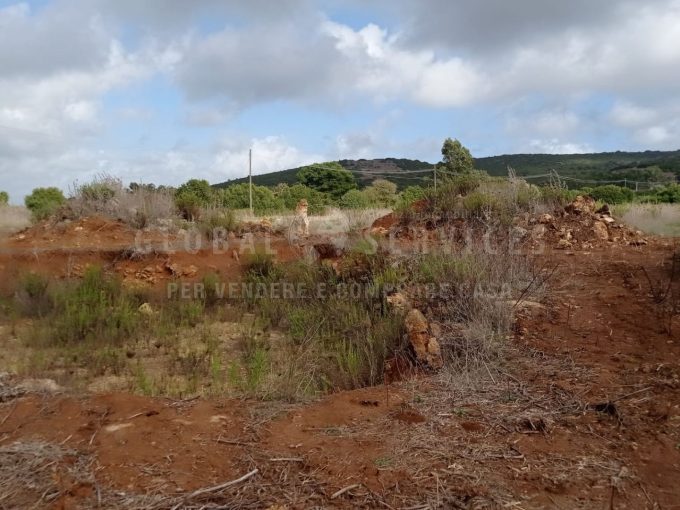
x=563, y=244
x=38, y=386
x=379, y=231
x=538, y=231
x=546, y=218
x=600, y=230
x=607, y=219
x=638, y=242
x=581, y=205
x=425, y=346
x=190, y=271
x=398, y=301
x=235, y=255
x=145, y=309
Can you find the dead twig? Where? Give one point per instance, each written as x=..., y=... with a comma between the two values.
x=215, y=488
x=345, y=489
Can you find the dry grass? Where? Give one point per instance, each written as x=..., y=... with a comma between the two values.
x=659, y=219
x=106, y=196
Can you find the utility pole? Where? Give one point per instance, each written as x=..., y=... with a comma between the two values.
x=250, y=179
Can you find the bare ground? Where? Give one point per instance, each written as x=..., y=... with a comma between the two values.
x=582, y=411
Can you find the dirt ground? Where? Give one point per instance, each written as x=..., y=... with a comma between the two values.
x=583, y=411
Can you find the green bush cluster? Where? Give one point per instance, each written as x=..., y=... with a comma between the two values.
x=4, y=198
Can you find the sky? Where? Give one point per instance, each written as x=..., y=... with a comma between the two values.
x=161, y=91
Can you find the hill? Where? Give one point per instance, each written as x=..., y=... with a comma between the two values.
x=633, y=166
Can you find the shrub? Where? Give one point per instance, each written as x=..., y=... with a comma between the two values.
x=4, y=198
x=97, y=308
x=44, y=202
x=216, y=222
x=612, y=194
x=411, y=194
x=381, y=193
x=479, y=203
x=291, y=195
x=193, y=195
x=237, y=196
x=669, y=194
x=355, y=199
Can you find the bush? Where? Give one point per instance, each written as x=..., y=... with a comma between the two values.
x=193, y=195
x=670, y=194
x=237, y=196
x=382, y=193
x=4, y=198
x=291, y=195
x=97, y=308
x=44, y=202
x=216, y=221
x=612, y=194
x=355, y=199
x=411, y=194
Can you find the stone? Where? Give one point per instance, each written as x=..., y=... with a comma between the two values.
x=563, y=244
x=581, y=205
x=145, y=309
x=600, y=230
x=546, y=218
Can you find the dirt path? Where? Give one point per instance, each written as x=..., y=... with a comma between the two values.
x=582, y=412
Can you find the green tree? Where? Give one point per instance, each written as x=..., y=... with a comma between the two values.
x=291, y=195
x=329, y=178
x=43, y=202
x=382, y=192
x=4, y=198
x=192, y=196
x=455, y=157
x=236, y=196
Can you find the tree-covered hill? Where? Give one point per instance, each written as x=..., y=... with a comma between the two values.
x=633, y=166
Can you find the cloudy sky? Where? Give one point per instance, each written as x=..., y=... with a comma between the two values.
x=165, y=90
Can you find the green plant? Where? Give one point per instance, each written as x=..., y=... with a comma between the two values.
x=237, y=196
x=455, y=157
x=35, y=296
x=291, y=195
x=612, y=194
x=44, y=202
x=217, y=222
x=330, y=178
x=4, y=198
x=480, y=203
x=96, y=308
x=410, y=194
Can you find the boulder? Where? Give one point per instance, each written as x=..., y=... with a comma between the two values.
x=546, y=218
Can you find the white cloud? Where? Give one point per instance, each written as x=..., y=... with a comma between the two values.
x=557, y=146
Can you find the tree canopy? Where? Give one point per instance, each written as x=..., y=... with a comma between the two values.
x=456, y=157
x=4, y=198
x=329, y=178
